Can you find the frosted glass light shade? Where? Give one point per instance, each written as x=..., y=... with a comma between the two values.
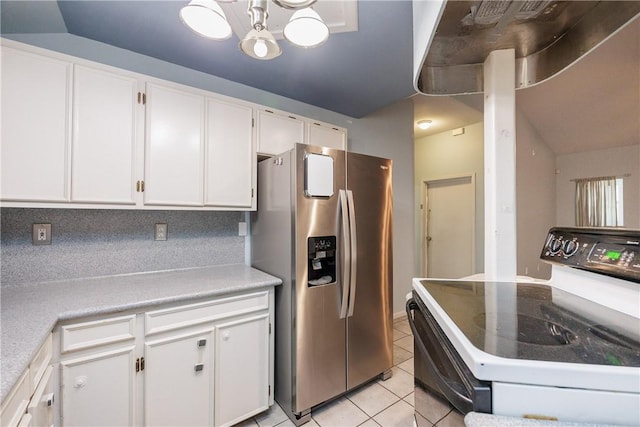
x=260, y=45
x=306, y=29
x=294, y=4
x=206, y=18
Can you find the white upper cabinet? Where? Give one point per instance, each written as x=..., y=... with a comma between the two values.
x=35, y=127
x=104, y=137
x=230, y=155
x=326, y=135
x=79, y=134
x=174, y=147
x=278, y=132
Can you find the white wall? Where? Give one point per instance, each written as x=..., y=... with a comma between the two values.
x=442, y=156
x=614, y=161
x=535, y=198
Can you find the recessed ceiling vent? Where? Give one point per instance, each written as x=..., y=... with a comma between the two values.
x=490, y=12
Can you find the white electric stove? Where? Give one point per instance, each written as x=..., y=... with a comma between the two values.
x=565, y=349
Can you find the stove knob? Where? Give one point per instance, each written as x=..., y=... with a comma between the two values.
x=570, y=247
x=555, y=245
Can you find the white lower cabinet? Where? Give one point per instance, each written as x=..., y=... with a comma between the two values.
x=179, y=369
x=241, y=373
x=31, y=401
x=98, y=389
x=208, y=363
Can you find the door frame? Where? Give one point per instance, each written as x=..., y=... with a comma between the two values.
x=424, y=206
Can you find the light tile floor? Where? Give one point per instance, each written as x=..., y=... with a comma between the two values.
x=378, y=403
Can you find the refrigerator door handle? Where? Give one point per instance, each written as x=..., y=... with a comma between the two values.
x=346, y=243
x=353, y=253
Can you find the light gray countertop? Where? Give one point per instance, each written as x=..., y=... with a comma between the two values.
x=477, y=419
x=29, y=312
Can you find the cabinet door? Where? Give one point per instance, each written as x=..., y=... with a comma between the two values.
x=35, y=127
x=104, y=137
x=230, y=155
x=327, y=136
x=178, y=380
x=278, y=133
x=98, y=390
x=41, y=405
x=242, y=369
x=174, y=147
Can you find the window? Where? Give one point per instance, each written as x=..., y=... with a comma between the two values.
x=599, y=202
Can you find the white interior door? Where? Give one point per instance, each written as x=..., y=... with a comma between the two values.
x=449, y=217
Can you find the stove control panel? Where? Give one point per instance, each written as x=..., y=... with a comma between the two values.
x=614, y=252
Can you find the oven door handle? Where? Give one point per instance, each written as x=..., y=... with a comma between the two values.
x=451, y=389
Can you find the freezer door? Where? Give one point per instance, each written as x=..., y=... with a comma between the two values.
x=319, y=332
x=369, y=328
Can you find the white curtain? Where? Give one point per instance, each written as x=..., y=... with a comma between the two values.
x=596, y=204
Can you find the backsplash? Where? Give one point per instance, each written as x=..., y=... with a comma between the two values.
x=89, y=243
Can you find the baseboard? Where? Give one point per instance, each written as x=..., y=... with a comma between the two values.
x=399, y=315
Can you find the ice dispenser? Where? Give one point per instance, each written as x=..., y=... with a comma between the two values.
x=322, y=260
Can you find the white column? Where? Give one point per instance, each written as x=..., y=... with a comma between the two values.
x=500, y=166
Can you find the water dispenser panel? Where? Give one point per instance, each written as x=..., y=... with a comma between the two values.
x=321, y=260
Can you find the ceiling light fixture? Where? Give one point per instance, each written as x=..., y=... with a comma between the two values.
x=206, y=18
x=304, y=29
x=424, y=124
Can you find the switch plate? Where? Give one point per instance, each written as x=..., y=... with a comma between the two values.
x=242, y=229
x=41, y=234
x=161, y=232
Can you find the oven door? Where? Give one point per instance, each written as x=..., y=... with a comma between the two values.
x=438, y=368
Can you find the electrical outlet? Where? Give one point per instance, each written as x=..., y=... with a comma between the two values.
x=41, y=234
x=161, y=232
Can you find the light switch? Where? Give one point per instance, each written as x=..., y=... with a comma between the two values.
x=242, y=229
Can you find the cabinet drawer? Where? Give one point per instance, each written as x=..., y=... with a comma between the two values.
x=194, y=314
x=39, y=363
x=15, y=405
x=91, y=334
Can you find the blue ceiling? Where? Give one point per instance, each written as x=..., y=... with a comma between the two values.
x=353, y=73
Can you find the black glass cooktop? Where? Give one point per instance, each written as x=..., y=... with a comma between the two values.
x=538, y=322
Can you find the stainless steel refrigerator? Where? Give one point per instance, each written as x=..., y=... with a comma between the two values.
x=324, y=226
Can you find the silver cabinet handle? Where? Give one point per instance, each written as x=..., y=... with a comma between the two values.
x=49, y=399
x=198, y=367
